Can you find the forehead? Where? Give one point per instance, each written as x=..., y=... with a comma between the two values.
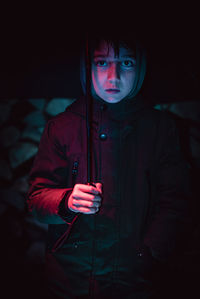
x=106, y=49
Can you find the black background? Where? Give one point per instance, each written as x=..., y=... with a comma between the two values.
x=39, y=53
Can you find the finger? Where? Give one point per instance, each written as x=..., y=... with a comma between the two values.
x=86, y=203
x=85, y=210
x=87, y=188
x=86, y=196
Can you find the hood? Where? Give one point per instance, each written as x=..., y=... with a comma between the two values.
x=140, y=72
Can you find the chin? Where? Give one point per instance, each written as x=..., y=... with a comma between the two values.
x=111, y=100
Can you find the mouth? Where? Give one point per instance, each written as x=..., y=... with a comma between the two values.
x=113, y=90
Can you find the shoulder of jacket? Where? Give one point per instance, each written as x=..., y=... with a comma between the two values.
x=161, y=116
x=72, y=113
x=153, y=114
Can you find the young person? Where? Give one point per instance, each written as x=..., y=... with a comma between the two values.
x=110, y=239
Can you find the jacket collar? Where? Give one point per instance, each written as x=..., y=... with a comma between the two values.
x=125, y=110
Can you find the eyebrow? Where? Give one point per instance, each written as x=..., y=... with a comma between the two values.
x=129, y=55
x=123, y=56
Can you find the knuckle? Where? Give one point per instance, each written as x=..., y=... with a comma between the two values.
x=92, y=197
x=91, y=204
x=94, y=191
x=76, y=186
x=74, y=194
x=97, y=199
x=74, y=206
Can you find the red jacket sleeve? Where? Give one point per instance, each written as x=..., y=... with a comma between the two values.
x=48, y=178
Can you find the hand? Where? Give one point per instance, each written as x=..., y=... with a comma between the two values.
x=85, y=199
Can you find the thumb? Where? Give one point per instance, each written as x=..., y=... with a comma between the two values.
x=99, y=187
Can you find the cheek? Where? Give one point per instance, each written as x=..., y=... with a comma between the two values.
x=98, y=78
x=128, y=80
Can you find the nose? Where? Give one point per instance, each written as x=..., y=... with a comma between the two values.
x=113, y=72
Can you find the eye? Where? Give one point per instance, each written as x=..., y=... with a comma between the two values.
x=127, y=63
x=100, y=63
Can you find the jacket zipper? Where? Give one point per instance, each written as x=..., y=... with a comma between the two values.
x=74, y=171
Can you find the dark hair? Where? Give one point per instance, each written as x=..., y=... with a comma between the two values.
x=115, y=40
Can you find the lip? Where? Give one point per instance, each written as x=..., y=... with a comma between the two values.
x=112, y=90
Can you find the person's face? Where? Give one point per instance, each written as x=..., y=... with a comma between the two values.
x=112, y=76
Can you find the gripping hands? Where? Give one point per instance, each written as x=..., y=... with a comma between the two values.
x=85, y=199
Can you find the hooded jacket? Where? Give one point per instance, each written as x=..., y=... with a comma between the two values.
x=137, y=158
x=144, y=212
